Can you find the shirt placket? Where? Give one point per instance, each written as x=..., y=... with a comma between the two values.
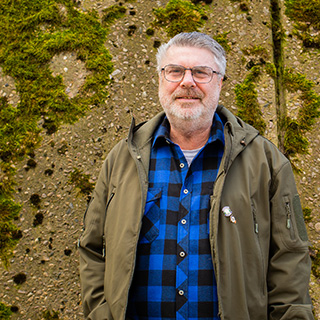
x=183, y=242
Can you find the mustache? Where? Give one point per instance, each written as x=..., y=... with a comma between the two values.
x=188, y=93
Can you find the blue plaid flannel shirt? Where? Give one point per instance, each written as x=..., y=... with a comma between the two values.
x=174, y=277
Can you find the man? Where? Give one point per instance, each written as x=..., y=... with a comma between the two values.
x=194, y=215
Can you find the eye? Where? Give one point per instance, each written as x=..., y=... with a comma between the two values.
x=201, y=72
x=174, y=70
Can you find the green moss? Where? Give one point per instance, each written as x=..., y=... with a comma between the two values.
x=5, y=312
x=179, y=16
x=291, y=132
x=270, y=69
x=259, y=51
x=278, y=32
x=307, y=214
x=223, y=40
x=183, y=16
x=47, y=315
x=17, y=136
x=35, y=31
x=81, y=181
x=309, y=111
x=32, y=32
x=249, y=110
x=315, y=258
x=306, y=18
x=295, y=140
x=113, y=13
x=247, y=101
x=9, y=233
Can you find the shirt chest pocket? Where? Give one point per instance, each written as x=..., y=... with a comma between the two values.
x=151, y=218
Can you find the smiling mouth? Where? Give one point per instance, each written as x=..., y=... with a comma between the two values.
x=188, y=98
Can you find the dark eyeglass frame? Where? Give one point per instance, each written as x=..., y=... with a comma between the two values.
x=191, y=69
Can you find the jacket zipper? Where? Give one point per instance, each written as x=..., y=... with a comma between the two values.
x=85, y=214
x=228, y=155
x=255, y=222
x=84, y=222
x=289, y=219
x=103, y=236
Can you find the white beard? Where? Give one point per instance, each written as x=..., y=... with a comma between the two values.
x=187, y=111
x=189, y=116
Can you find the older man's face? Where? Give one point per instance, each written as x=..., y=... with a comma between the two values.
x=188, y=100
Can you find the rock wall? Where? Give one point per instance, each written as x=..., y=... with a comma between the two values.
x=47, y=253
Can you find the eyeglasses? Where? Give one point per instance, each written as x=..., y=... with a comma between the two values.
x=200, y=74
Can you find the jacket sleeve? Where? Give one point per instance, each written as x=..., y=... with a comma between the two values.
x=91, y=247
x=289, y=261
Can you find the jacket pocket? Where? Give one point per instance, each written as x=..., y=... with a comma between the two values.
x=151, y=218
x=289, y=218
x=288, y=228
x=111, y=196
x=84, y=222
x=85, y=213
x=259, y=267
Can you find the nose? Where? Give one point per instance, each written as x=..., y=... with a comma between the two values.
x=187, y=80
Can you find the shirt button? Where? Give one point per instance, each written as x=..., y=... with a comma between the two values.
x=182, y=254
x=181, y=292
x=181, y=165
x=185, y=191
x=183, y=221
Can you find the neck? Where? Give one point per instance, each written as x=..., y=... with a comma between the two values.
x=189, y=139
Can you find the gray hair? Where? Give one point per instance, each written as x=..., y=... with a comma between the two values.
x=198, y=40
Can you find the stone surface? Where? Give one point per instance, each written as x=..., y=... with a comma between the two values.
x=47, y=253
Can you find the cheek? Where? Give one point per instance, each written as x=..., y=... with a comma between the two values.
x=214, y=90
x=166, y=88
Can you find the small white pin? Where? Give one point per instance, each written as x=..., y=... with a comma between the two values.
x=227, y=211
x=228, y=214
x=233, y=219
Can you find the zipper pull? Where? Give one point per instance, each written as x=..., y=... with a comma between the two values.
x=288, y=223
x=256, y=227
x=288, y=215
x=104, y=247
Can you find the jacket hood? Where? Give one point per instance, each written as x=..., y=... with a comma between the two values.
x=141, y=134
x=238, y=134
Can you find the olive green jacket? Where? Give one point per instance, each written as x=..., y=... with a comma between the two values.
x=261, y=260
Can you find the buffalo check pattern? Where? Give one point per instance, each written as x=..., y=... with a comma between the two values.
x=174, y=276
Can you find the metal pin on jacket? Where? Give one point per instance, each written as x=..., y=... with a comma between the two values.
x=228, y=214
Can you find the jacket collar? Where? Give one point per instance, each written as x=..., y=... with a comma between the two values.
x=238, y=135
x=237, y=127
x=241, y=133
x=142, y=134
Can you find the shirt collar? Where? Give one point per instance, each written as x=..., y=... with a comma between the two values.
x=162, y=132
